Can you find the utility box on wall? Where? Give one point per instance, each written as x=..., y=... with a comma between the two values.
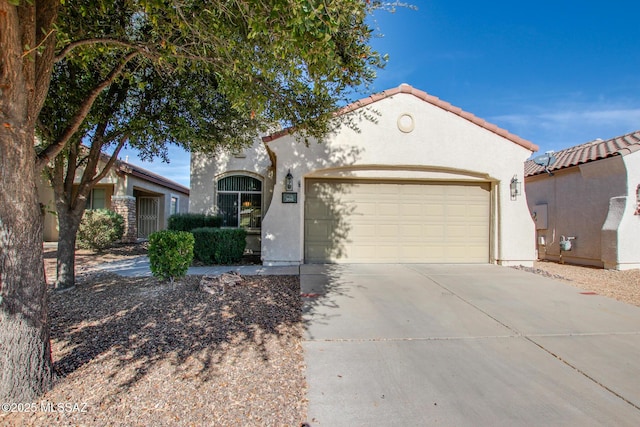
x=539, y=216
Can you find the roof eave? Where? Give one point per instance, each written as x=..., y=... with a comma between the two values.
x=408, y=89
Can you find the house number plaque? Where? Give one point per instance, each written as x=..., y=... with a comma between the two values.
x=288, y=197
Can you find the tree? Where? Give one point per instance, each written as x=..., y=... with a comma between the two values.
x=282, y=61
x=144, y=109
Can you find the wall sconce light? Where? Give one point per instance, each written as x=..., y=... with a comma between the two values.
x=288, y=181
x=515, y=188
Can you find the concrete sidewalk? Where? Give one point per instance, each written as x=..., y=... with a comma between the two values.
x=139, y=267
x=465, y=345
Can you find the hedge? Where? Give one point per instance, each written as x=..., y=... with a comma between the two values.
x=189, y=221
x=219, y=245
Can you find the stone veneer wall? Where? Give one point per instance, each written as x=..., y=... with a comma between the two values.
x=126, y=206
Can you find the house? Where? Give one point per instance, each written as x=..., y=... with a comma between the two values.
x=143, y=198
x=425, y=182
x=588, y=197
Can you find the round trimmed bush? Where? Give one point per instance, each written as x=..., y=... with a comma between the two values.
x=170, y=253
x=99, y=229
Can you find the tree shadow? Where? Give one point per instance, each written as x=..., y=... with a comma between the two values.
x=139, y=323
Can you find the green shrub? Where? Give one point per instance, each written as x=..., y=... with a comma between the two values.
x=189, y=221
x=99, y=228
x=170, y=253
x=219, y=245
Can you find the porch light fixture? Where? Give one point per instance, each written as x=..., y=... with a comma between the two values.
x=515, y=188
x=288, y=181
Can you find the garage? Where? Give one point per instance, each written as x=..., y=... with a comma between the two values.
x=369, y=221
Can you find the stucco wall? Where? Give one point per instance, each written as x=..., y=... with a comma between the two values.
x=441, y=146
x=621, y=230
x=116, y=184
x=207, y=168
x=138, y=187
x=578, y=203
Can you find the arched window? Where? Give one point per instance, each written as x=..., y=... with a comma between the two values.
x=240, y=201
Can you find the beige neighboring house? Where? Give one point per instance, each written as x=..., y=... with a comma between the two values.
x=425, y=183
x=143, y=198
x=589, y=198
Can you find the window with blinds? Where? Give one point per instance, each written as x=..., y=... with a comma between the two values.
x=240, y=201
x=97, y=199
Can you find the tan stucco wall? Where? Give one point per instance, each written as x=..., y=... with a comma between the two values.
x=137, y=186
x=594, y=202
x=441, y=146
x=116, y=184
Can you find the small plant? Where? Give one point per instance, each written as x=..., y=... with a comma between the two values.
x=219, y=245
x=170, y=253
x=99, y=229
x=190, y=221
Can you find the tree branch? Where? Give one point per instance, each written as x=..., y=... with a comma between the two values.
x=74, y=124
x=111, y=161
x=70, y=176
x=85, y=42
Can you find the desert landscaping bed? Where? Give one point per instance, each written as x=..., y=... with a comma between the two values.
x=135, y=351
x=620, y=285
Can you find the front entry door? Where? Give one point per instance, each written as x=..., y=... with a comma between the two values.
x=147, y=216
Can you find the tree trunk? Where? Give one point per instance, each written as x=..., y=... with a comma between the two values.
x=25, y=352
x=68, y=223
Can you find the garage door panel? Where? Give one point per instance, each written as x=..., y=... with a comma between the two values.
x=396, y=222
x=319, y=230
x=390, y=231
x=366, y=208
x=457, y=232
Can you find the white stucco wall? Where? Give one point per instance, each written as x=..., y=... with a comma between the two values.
x=442, y=146
x=206, y=169
x=621, y=230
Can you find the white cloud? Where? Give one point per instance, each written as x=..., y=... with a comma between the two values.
x=563, y=126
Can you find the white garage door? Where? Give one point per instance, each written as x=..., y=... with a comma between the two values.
x=379, y=222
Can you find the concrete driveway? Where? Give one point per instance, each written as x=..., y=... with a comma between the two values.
x=465, y=345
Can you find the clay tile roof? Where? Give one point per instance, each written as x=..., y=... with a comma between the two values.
x=408, y=89
x=589, y=152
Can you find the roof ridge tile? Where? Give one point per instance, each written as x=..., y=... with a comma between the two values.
x=420, y=94
x=588, y=152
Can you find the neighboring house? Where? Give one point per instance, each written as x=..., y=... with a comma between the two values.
x=590, y=193
x=424, y=183
x=143, y=198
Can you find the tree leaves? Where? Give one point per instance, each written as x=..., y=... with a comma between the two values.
x=287, y=61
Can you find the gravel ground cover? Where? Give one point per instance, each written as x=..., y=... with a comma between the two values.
x=138, y=352
x=620, y=285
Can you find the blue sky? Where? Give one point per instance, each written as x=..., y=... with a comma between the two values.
x=557, y=73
